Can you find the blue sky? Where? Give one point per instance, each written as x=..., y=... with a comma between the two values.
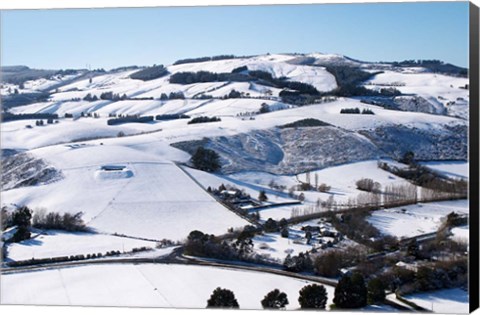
x=108, y=38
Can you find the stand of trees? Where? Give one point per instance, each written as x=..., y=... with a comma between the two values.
x=203, y=119
x=171, y=117
x=206, y=76
x=356, y=110
x=204, y=59
x=206, y=160
x=20, y=99
x=349, y=79
x=308, y=122
x=12, y=117
x=110, y=96
x=55, y=221
x=129, y=119
x=150, y=73
x=433, y=186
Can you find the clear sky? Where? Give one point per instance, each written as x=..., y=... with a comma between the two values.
x=108, y=38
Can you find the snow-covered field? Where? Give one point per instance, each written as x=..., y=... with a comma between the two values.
x=438, y=89
x=57, y=243
x=145, y=285
x=16, y=135
x=451, y=301
x=151, y=198
x=461, y=233
x=416, y=219
x=455, y=169
x=129, y=179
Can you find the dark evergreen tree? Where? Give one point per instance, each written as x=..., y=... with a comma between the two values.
x=376, y=291
x=264, y=108
x=234, y=94
x=351, y=292
x=22, y=216
x=408, y=158
x=22, y=219
x=21, y=234
x=275, y=300
x=308, y=236
x=206, y=160
x=262, y=196
x=313, y=296
x=271, y=226
x=222, y=298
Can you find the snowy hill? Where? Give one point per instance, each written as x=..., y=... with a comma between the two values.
x=255, y=97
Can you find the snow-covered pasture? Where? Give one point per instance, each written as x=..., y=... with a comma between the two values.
x=454, y=169
x=16, y=135
x=416, y=219
x=461, y=234
x=53, y=243
x=427, y=85
x=121, y=83
x=145, y=285
x=450, y=301
x=156, y=200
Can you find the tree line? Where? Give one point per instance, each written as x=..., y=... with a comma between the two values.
x=351, y=292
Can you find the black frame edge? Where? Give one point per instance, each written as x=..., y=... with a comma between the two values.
x=474, y=159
